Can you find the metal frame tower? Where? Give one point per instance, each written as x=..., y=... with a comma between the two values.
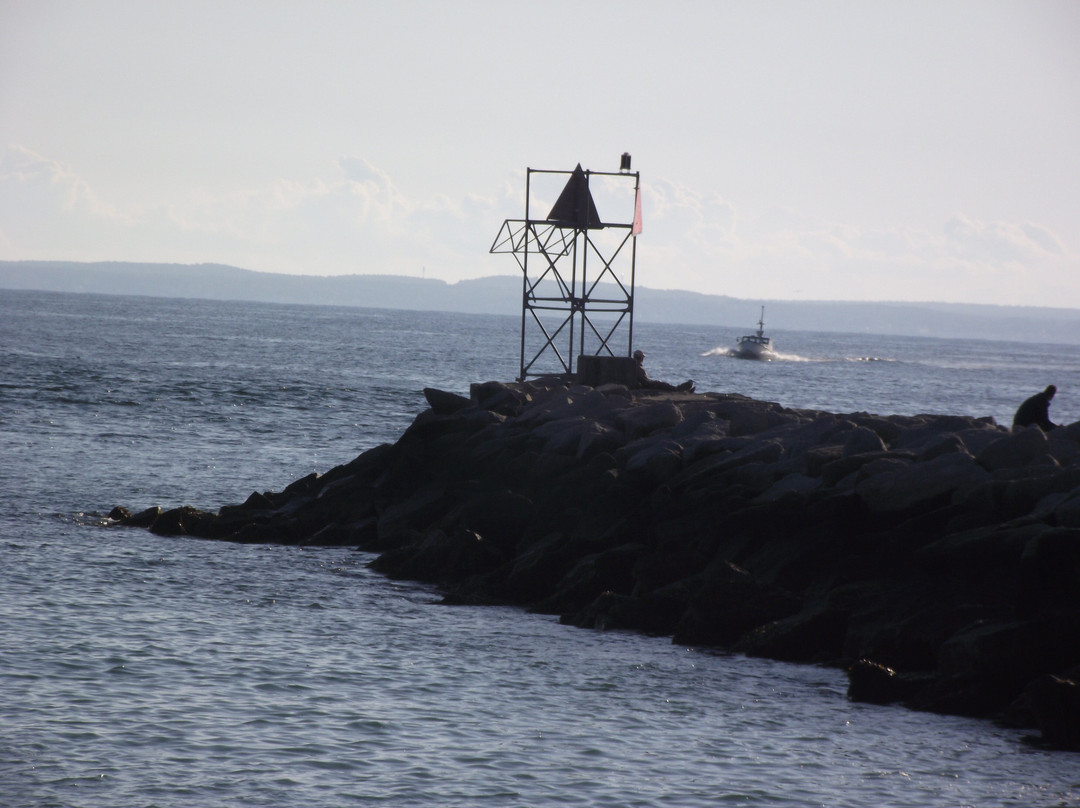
x=577, y=269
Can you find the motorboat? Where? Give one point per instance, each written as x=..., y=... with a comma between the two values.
x=756, y=345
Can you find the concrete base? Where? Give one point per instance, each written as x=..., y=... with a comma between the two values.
x=598, y=370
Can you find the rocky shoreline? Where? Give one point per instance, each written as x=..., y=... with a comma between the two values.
x=935, y=557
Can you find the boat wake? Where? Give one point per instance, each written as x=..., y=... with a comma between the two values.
x=770, y=356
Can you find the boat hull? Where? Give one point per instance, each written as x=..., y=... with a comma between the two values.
x=754, y=348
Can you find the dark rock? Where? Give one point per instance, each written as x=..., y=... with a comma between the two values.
x=651, y=461
x=816, y=459
x=915, y=485
x=599, y=438
x=640, y=421
x=726, y=602
x=814, y=635
x=1015, y=450
x=535, y=573
x=499, y=397
x=1067, y=510
x=652, y=615
x=862, y=440
x=256, y=502
x=989, y=664
x=499, y=517
x=332, y=535
x=439, y=557
x=888, y=428
x=838, y=466
x=305, y=485
x=1049, y=568
x=142, y=518
x=606, y=571
x=415, y=513
x=445, y=403
x=1055, y=703
x=185, y=521
x=946, y=444
x=872, y=683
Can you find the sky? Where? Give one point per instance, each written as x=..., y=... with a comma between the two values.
x=813, y=150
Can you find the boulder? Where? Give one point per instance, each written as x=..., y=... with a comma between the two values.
x=814, y=635
x=599, y=438
x=861, y=441
x=948, y=443
x=651, y=459
x=184, y=521
x=838, y=465
x=915, y=485
x=416, y=512
x=656, y=614
x=500, y=398
x=790, y=485
x=445, y=403
x=1055, y=703
x=873, y=683
x=534, y=573
x=995, y=660
x=564, y=435
x=1015, y=450
x=1066, y=510
x=1049, y=568
x=640, y=421
x=725, y=602
x=595, y=574
x=440, y=557
x=144, y=518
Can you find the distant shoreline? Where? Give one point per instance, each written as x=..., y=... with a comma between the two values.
x=501, y=294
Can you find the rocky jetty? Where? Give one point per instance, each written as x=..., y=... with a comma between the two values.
x=935, y=557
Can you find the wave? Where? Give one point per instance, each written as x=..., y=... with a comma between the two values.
x=772, y=356
x=777, y=356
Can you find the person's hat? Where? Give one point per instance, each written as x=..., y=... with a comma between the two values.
x=639, y=354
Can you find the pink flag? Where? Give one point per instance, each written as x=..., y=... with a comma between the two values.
x=636, y=229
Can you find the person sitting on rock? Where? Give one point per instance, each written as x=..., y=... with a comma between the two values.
x=643, y=380
x=1035, y=410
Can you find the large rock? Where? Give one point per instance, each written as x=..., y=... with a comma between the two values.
x=1016, y=450
x=1055, y=703
x=911, y=485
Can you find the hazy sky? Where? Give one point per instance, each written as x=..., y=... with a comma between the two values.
x=795, y=150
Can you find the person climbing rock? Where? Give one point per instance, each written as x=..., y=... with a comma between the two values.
x=1035, y=410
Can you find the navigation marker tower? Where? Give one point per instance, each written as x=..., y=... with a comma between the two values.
x=577, y=266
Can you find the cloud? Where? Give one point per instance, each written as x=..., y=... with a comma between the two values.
x=359, y=170
x=785, y=253
x=353, y=221
x=35, y=187
x=356, y=220
x=678, y=212
x=1000, y=243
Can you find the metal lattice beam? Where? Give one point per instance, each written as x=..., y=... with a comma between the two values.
x=570, y=283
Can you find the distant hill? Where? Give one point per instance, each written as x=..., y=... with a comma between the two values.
x=501, y=294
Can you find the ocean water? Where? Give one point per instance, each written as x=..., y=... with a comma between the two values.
x=138, y=670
